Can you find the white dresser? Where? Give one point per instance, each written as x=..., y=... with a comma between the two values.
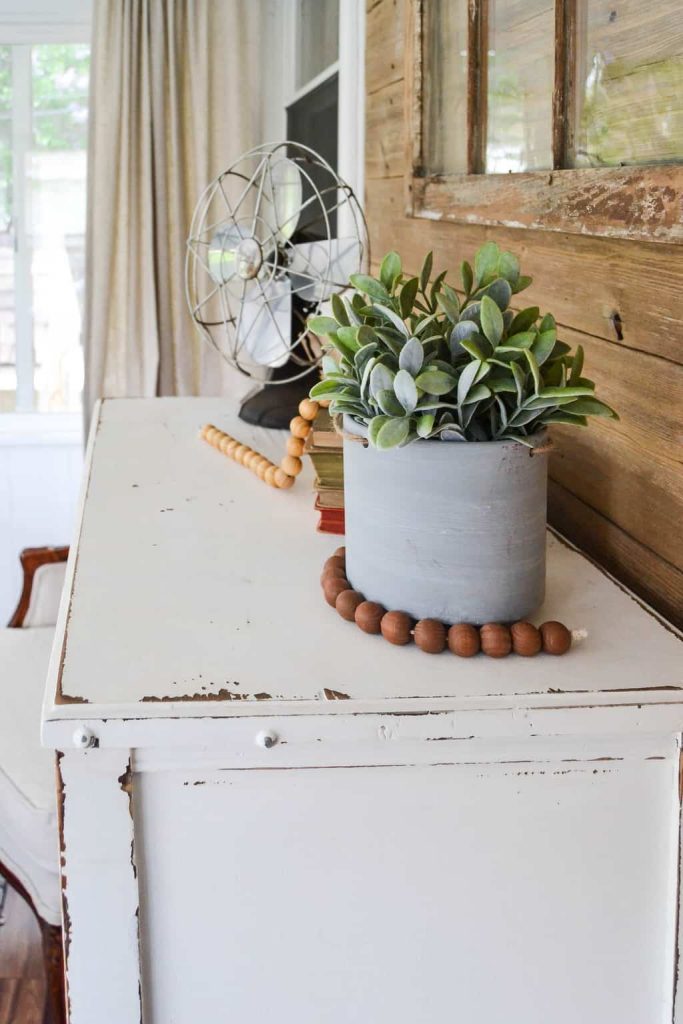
x=427, y=840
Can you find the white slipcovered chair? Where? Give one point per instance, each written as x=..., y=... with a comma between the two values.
x=29, y=834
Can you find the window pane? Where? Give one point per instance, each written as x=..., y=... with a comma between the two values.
x=521, y=73
x=629, y=82
x=8, y=372
x=444, y=112
x=317, y=38
x=56, y=170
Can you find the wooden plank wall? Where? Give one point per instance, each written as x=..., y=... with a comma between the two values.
x=615, y=489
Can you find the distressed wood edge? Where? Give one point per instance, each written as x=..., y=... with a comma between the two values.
x=31, y=560
x=565, y=75
x=560, y=200
x=477, y=84
x=412, y=101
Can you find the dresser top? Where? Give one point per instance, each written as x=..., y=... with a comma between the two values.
x=193, y=589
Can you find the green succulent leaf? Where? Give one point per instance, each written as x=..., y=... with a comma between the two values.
x=411, y=356
x=392, y=433
x=466, y=380
x=390, y=270
x=564, y=417
x=524, y=339
x=486, y=264
x=449, y=303
x=426, y=271
x=407, y=297
x=389, y=403
x=349, y=337
x=381, y=379
x=467, y=277
x=508, y=267
x=339, y=309
x=374, y=426
x=543, y=345
x=521, y=283
x=477, y=393
x=590, y=407
x=425, y=424
x=370, y=287
x=325, y=388
x=491, y=320
x=574, y=392
x=322, y=325
x=533, y=366
x=577, y=365
x=525, y=319
x=475, y=350
x=405, y=390
x=500, y=291
x=435, y=382
x=395, y=319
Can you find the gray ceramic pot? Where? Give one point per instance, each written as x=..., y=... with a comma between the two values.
x=447, y=530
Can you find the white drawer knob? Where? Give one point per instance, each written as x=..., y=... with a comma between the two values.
x=84, y=738
x=266, y=739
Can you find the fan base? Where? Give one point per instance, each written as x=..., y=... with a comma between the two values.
x=275, y=405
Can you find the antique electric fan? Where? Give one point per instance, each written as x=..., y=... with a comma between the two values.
x=272, y=238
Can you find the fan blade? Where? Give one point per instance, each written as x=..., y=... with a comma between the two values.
x=281, y=199
x=318, y=269
x=265, y=324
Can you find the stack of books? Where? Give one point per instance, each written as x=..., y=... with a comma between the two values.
x=325, y=447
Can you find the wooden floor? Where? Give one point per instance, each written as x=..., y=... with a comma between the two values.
x=22, y=983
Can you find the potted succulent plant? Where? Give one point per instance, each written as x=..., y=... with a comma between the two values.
x=446, y=399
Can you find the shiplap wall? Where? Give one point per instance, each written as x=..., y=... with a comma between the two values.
x=616, y=489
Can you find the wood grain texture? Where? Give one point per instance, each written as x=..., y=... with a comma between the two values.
x=22, y=983
x=618, y=298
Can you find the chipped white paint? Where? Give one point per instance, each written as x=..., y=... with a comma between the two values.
x=100, y=889
x=495, y=840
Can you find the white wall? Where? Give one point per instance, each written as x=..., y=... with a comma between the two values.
x=40, y=471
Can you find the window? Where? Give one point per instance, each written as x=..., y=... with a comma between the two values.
x=43, y=132
x=534, y=113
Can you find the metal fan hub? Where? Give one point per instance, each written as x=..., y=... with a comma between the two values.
x=249, y=258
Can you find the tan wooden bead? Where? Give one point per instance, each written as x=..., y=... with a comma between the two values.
x=248, y=458
x=261, y=469
x=210, y=433
x=295, y=446
x=231, y=447
x=270, y=475
x=333, y=588
x=496, y=641
x=556, y=638
x=430, y=636
x=223, y=443
x=347, y=602
x=240, y=453
x=463, y=640
x=369, y=616
x=397, y=628
x=283, y=480
x=291, y=465
x=335, y=562
x=526, y=639
x=308, y=409
x=300, y=427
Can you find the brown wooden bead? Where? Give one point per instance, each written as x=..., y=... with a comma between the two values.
x=332, y=574
x=332, y=588
x=300, y=427
x=295, y=446
x=397, y=628
x=339, y=552
x=283, y=480
x=526, y=639
x=463, y=640
x=430, y=636
x=347, y=602
x=496, y=641
x=556, y=638
x=335, y=562
x=369, y=616
x=291, y=465
x=308, y=409
x=270, y=475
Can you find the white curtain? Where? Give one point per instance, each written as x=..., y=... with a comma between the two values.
x=174, y=99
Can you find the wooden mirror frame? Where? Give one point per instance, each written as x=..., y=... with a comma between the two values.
x=638, y=202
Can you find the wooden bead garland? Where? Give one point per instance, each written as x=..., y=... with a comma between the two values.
x=494, y=639
x=281, y=476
